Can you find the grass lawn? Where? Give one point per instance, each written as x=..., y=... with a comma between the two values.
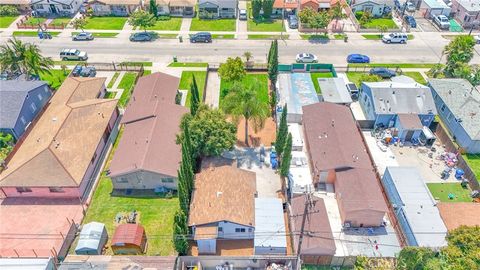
x=339, y=36
x=145, y=64
x=440, y=192
x=171, y=24
x=155, y=215
x=271, y=37
x=400, y=65
x=35, y=20
x=265, y=25
x=473, y=161
x=315, y=37
x=61, y=21
x=213, y=25
x=379, y=36
x=106, y=23
x=316, y=75
x=324, y=267
x=101, y=35
x=187, y=64
x=220, y=36
x=33, y=33
x=355, y=77
x=186, y=80
x=68, y=63
x=375, y=23
x=126, y=84
x=416, y=76
x=56, y=78
x=112, y=81
x=5, y=21
x=248, y=80
x=147, y=72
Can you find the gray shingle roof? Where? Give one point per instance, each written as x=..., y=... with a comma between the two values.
x=12, y=96
x=397, y=98
x=463, y=100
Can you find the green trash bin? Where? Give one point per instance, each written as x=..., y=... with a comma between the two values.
x=174, y=58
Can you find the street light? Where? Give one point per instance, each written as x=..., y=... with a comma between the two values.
x=474, y=23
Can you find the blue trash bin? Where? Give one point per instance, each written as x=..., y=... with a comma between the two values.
x=40, y=35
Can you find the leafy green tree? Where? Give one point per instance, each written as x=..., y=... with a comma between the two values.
x=463, y=249
x=436, y=71
x=8, y=10
x=282, y=132
x=306, y=14
x=232, y=70
x=319, y=21
x=336, y=12
x=194, y=96
x=273, y=64
x=365, y=18
x=267, y=6
x=79, y=23
x=153, y=8
x=459, y=51
x=211, y=134
x=182, y=190
x=286, y=157
x=256, y=8
x=24, y=58
x=415, y=258
x=462, y=70
x=475, y=78
x=382, y=28
x=248, y=56
x=141, y=18
x=244, y=102
x=187, y=164
x=180, y=232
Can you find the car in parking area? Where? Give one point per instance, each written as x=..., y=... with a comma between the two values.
x=306, y=58
x=73, y=54
x=358, y=58
x=88, y=71
x=292, y=22
x=410, y=20
x=83, y=36
x=395, y=38
x=242, y=15
x=383, y=72
x=205, y=37
x=76, y=70
x=410, y=7
x=141, y=36
x=477, y=38
x=441, y=21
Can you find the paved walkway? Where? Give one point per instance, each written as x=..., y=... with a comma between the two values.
x=212, y=96
x=242, y=26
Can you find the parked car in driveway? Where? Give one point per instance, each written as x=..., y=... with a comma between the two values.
x=142, y=36
x=88, y=71
x=442, y=21
x=76, y=70
x=73, y=54
x=358, y=58
x=83, y=36
x=292, y=22
x=242, y=15
x=410, y=7
x=410, y=20
x=395, y=38
x=306, y=58
x=205, y=37
x=383, y=72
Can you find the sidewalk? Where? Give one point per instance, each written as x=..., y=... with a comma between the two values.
x=212, y=96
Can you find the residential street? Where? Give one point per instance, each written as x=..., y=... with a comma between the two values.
x=425, y=47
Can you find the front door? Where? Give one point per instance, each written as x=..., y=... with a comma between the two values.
x=53, y=9
x=409, y=135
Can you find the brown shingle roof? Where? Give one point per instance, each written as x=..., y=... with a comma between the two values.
x=459, y=213
x=128, y=234
x=60, y=147
x=223, y=193
x=149, y=141
x=289, y=4
x=116, y=2
x=177, y=3
x=410, y=121
x=318, y=237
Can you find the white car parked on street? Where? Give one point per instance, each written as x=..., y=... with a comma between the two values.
x=306, y=58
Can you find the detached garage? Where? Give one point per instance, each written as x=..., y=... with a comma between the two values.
x=431, y=8
x=93, y=238
x=129, y=239
x=270, y=229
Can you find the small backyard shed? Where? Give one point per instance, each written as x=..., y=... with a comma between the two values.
x=270, y=235
x=129, y=239
x=93, y=238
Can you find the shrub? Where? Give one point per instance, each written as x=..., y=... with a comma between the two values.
x=358, y=14
x=8, y=10
x=163, y=18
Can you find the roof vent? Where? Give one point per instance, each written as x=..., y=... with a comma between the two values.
x=219, y=193
x=54, y=119
x=333, y=122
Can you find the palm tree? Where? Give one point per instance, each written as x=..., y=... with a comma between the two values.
x=24, y=58
x=244, y=101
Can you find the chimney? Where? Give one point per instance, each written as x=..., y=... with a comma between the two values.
x=333, y=122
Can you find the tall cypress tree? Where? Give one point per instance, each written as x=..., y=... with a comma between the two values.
x=270, y=54
x=287, y=157
x=282, y=132
x=153, y=7
x=183, y=196
x=194, y=96
x=180, y=232
x=273, y=63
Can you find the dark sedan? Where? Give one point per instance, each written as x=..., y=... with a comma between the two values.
x=140, y=37
x=383, y=72
x=410, y=20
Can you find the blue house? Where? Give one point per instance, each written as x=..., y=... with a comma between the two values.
x=405, y=106
x=458, y=103
x=20, y=103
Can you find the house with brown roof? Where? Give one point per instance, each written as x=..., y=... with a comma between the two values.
x=338, y=157
x=176, y=8
x=60, y=155
x=114, y=7
x=129, y=239
x=222, y=207
x=148, y=156
x=318, y=244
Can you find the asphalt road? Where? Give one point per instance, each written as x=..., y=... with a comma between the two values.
x=425, y=48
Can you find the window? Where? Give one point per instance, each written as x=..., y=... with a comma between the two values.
x=239, y=229
x=40, y=97
x=23, y=120
x=449, y=118
x=33, y=107
x=365, y=99
x=250, y=229
x=122, y=180
x=220, y=229
x=443, y=108
x=23, y=189
x=46, y=89
x=65, y=6
x=38, y=6
x=167, y=180
x=56, y=190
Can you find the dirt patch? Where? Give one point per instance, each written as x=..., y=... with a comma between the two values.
x=264, y=136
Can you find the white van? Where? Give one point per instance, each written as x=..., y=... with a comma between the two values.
x=395, y=38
